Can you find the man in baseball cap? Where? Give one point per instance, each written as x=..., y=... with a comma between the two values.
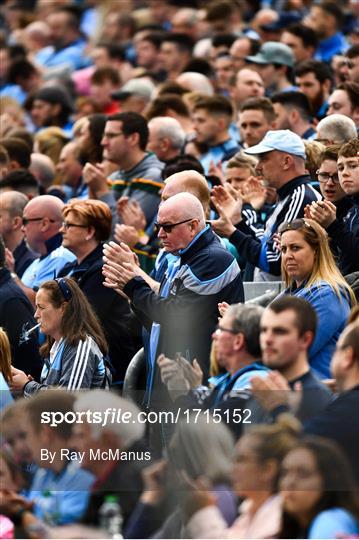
x=274, y=62
x=281, y=164
x=134, y=95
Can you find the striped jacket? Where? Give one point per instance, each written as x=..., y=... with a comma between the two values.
x=71, y=367
x=293, y=197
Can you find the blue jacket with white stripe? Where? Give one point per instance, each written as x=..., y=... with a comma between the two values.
x=188, y=315
x=72, y=367
x=293, y=197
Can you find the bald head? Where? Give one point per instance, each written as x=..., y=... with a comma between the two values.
x=195, y=82
x=185, y=206
x=48, y=206
x=43, y=168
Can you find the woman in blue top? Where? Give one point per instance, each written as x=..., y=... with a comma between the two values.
x=319, y=497
x=309, y=271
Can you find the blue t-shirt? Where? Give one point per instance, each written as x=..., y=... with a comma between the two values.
x=61, y=498
x=333, y=523
x=47, y=267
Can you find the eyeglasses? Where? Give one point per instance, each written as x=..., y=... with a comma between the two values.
x=66, y=225
x=219, y=329
x=294, y=225
x=26, y=221
x=167, y=227
x=324, y=177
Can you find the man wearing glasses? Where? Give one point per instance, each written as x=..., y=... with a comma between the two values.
x=42, y=219
x=183, y=318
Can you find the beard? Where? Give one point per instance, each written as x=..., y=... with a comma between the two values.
x=317, y=102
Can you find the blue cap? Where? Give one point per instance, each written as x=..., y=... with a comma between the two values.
x=282, y=140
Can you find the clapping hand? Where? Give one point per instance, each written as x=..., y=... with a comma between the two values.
x=323, y=212
x=95, y=177
x=131, y=213
x=173, y=377
x=253, y=192
x=274, y=391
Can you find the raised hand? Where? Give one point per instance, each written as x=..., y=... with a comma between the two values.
x=126, y=234
x=323, y=212
x=94, y=176
x=253, y=192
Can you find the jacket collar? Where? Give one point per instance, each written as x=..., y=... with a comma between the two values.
x=292, y=184
x=52, y=243
x=202, y=239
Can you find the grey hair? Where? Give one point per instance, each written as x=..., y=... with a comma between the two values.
x=17, y=202
x=338, y=128
x=246, y=320
x=171, y=129
x=98, y=401
x=203, y=447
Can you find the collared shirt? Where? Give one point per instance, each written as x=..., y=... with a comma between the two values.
x=47, y=266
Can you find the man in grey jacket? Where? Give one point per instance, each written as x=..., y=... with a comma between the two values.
x=139, y=175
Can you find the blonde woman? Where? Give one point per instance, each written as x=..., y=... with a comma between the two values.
x=310, y=272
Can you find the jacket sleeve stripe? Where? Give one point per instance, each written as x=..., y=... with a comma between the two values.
x=79, y=347
x=89, y=343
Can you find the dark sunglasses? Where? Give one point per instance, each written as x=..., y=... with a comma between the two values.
x=25, y=221
x=167, y=227
x=294, y=225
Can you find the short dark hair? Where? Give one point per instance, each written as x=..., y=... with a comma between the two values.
x=306, y=318
x=183, y=42
x=18, y=151
x=163, y=103
x=106, y=73
x=184, y=162
x=74, y=14
x=215, y=105
x=20, y=69
x=333, y=9
x=351, y=339
x=321, y=70
x=353, y=52
x=155, y=38
x=294, y=100
x=352, y=89
x=132, y=123
x=224, y=40
x=24, y=135
x=306, y=34
x=114, y=50
x=199, y=65
x=260, y=104
x=20, y=180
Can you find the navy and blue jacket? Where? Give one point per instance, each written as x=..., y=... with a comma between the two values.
x=207, y=274
x=293, y=197
x=344, y=234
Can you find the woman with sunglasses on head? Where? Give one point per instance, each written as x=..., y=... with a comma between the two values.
x=75, y=344
x=320, y=499
x=310, y=272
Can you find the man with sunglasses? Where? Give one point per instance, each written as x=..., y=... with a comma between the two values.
x=184, y=313
x=41, y=223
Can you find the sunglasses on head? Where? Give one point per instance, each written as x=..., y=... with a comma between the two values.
x=294, y=225
x=167, y=227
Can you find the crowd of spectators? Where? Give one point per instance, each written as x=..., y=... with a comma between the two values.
x=163, y=163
